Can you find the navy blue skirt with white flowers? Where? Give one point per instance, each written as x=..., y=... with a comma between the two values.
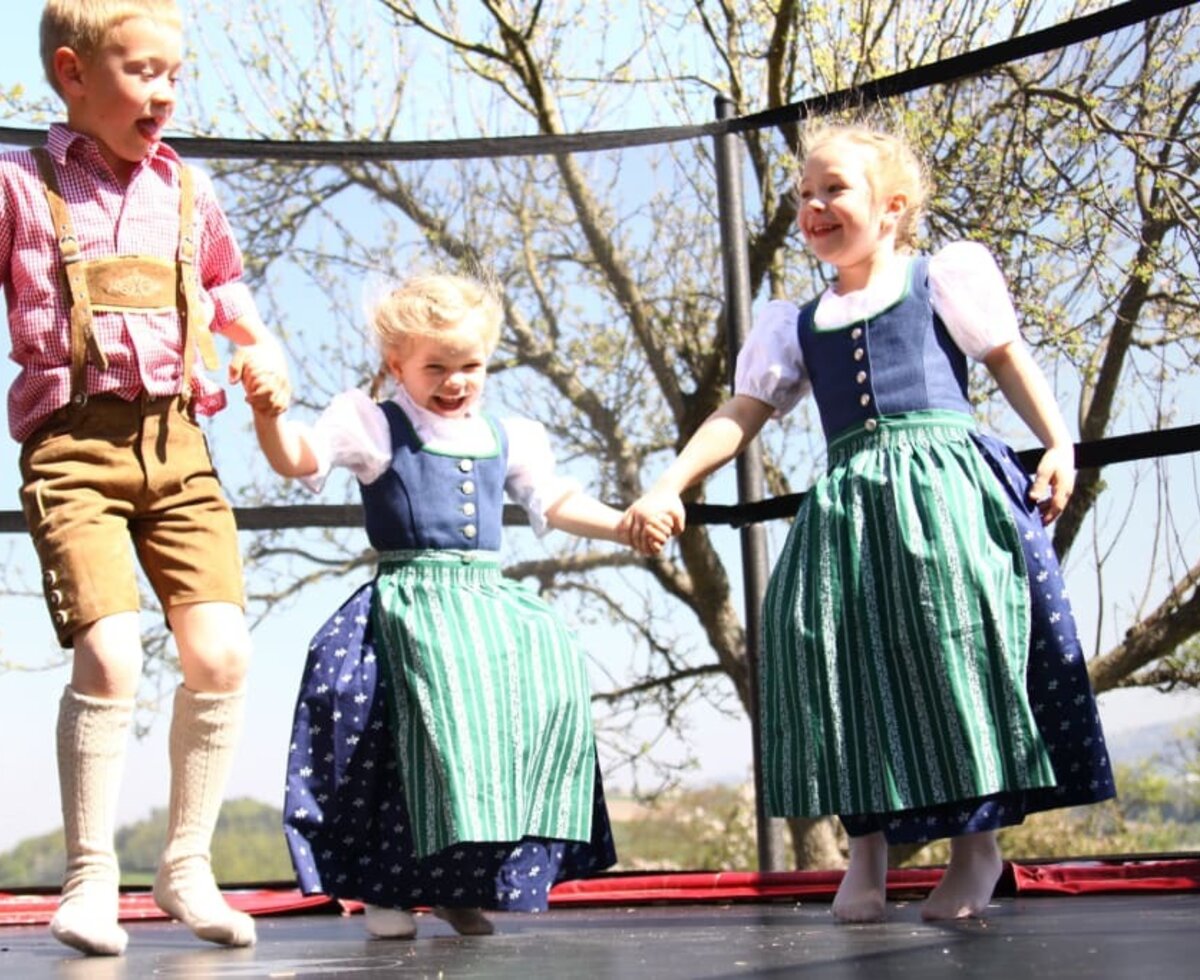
x=1060, y=695
x=345, y=816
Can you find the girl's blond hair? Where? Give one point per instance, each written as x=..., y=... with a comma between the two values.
x=896, y=169
x=437, y=305
x=83, y=25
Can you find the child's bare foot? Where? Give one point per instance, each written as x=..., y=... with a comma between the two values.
x=862, y=895
x=385, y=923
x=466, y=922
x=969, y=880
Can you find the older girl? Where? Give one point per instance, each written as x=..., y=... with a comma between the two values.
x=921, y=673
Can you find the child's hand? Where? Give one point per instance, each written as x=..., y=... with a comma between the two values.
x=652, y=520
x=266, y=392
x=653, y=533
x=657, y=532
x=1054, y=482
x=263, y=373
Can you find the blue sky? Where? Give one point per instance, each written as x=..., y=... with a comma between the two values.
x=29, y=696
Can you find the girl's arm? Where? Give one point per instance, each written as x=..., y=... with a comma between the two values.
x=583, y=515
x=1028, y=391
x=722, y=436
x=284, y=445
x=556, y=502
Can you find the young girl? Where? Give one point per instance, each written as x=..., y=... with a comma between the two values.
x=442, y=749
x=921, y=674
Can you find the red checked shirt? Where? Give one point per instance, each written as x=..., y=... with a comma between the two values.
x=143, y=349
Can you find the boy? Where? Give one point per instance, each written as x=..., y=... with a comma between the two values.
x=116, y=260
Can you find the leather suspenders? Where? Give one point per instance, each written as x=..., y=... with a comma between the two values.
x=195, y=334
x=127, y=282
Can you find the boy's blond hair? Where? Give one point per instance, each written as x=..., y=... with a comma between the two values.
x=896, y=170
x=437, y=305
x=82, y=25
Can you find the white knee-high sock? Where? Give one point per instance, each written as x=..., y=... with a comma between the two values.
x=204, y=734
x=92, y=734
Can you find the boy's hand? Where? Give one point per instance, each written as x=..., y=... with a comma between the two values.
x=266, y=393
x=262, y=371
x=1054, y=482
x=268, y=390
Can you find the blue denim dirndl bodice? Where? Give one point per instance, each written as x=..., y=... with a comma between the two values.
x=433, y=500
x=902, y=359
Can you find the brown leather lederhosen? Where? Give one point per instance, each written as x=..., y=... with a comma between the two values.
x=127, y=283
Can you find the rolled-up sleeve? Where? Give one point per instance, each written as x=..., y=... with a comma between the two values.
x=220, y=266
x=770, y=367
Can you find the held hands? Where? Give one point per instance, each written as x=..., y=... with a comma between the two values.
x=262, y=371
x=651, y=521
x=1054, y=482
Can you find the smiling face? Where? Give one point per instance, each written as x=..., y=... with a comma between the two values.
x=442, y=374
x=844, y=219
x=123, y=95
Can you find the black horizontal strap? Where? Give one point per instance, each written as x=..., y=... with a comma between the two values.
x=1088, y=455
x=1074, y=31
x=1095, y=454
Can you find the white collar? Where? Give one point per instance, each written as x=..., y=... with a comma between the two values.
x=839, y=309
x=470, y=434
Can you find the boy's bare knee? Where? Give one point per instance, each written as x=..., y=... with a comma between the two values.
x=219, y=673
x=107, y=657
x=214, y=646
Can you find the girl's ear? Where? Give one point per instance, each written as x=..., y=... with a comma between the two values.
x=394, y=363
x=68, y=71
x=893, y=209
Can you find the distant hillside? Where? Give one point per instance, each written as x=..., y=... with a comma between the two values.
x=248, y=847
x=1144, y=743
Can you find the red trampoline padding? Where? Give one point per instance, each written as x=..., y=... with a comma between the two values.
x=25, y=910
x=1117, y=876
x=1108, y=877
x=721, y=886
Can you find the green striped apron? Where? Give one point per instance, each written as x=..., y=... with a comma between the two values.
x=490, y=702
x=896, y=631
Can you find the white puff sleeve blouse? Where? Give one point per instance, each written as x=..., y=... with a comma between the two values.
x=967, y=290
x=353, y=433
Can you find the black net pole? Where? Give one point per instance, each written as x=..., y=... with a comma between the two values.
x=735, y=261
